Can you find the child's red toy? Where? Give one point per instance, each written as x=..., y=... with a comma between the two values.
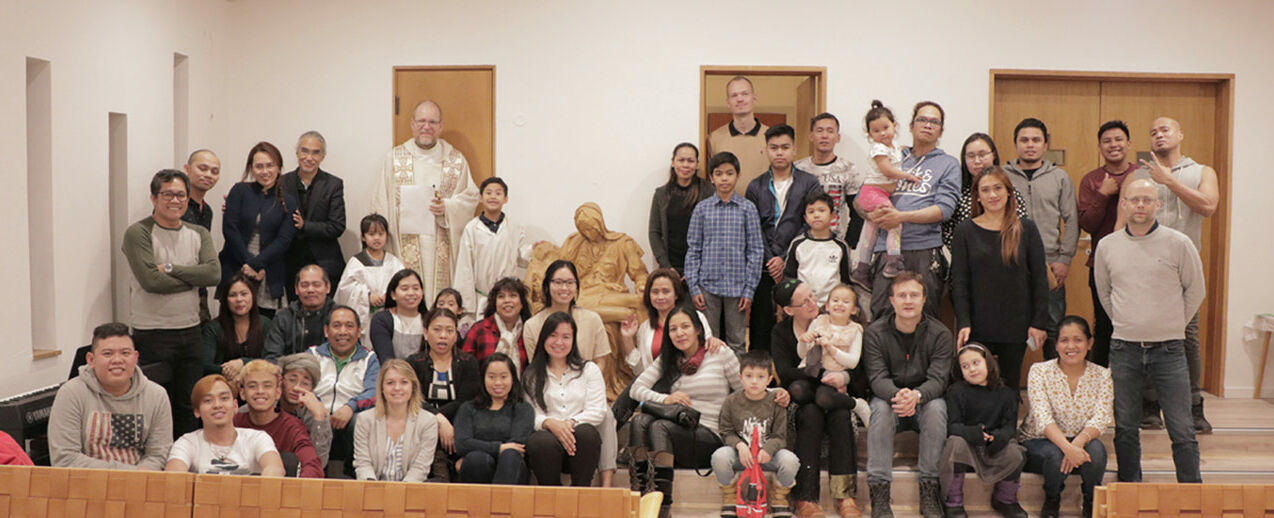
x=751, y=492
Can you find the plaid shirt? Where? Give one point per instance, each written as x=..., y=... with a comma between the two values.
x=725, y=247
x=483, y=338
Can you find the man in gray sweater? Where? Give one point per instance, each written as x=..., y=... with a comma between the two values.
x=170, y=260
x=1050, y=199
x=110, y=416
x=1150, y=280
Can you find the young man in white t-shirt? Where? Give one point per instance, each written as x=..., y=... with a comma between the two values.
x=220, y=448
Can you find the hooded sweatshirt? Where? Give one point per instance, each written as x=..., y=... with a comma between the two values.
x=90, y=428
x=939, y=186
x=1050, y=196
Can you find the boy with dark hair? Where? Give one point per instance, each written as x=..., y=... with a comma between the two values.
x=839, y=177
x=1050, y=199
x=779, y=196
x=489, y=248
x=723, y=255
x=817, y=258
x=745, y=411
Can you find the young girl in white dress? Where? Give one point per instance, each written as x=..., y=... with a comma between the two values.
x=367, y=274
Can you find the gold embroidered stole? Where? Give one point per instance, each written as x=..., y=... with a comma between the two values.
x=409, y=245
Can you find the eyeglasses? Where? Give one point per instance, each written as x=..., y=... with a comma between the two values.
x=562, y=283
x=978, y=156
x=426, y=122
x=927, y=121
x=171, y=196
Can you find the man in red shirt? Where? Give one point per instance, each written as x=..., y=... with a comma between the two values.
x=260, y=385
x=1098, y=209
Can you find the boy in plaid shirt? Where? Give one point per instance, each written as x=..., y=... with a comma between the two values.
x=723, y=259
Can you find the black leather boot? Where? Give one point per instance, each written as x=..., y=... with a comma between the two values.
x=1052, y=507
x=639, y=476
x=663, y=484
x=931, y=498
x=880, y=499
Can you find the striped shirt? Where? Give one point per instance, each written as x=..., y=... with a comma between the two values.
x=708, y=387
x=392, y=469
x=725, y=248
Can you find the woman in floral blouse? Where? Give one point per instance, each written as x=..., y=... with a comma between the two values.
x=1071, y=405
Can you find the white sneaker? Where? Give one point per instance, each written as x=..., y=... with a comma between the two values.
x=862, y=410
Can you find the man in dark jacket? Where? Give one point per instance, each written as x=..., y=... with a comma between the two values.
x=300, y=325
x=320, y=219
x=908, y=356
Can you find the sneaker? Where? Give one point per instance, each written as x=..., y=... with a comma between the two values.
x=1150, y=418
x=862, y=411
x=893, y=266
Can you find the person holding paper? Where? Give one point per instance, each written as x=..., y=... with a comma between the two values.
x=426, y=193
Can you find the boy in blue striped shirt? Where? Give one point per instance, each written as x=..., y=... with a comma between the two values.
x=725, y=248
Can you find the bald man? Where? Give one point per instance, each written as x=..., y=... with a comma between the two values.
x=744, y=135
x=424, y=163
x=1150, y=280
x=1188, y=193
x=204, y=169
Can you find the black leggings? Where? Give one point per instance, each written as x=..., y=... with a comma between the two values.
x=548, y=459
x=690, y=448
x=1009, y=357
x=822, y=411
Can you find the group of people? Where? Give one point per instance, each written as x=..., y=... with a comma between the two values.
x=760, y=302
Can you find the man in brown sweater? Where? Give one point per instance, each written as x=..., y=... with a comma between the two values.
x=744, y=135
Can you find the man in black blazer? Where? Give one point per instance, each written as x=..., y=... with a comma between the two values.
x=320, y=219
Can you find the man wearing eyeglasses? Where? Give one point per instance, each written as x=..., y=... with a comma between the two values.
x=425, y=192
x=1150, y=279
x=170, y=260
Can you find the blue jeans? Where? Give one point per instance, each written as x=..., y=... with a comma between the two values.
x=784, y=464
x=1045, y=458
x=1164, y=364
x=930, y=420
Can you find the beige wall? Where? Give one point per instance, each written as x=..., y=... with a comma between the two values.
x=591, y=96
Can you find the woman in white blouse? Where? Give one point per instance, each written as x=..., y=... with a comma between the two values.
x=398, y=443
x=1071, y=405
x=569, y=396
x=220, y=448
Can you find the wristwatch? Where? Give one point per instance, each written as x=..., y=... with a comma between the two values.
x=168, y=267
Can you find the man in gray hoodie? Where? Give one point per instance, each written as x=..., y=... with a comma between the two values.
x=1050, y=200
x=110, y=416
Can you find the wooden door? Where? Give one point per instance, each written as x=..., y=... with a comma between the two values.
x=467, y=97
x=1070, y=109
x=1074, y=105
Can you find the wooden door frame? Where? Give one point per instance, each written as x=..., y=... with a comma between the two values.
x=818, y=73
x=1223, y=149
x=394, y=107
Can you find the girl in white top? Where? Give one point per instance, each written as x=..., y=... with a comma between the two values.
x=398, y=330
x=220, y=448
x=569, y=397
x=367, y=273
x=882, y=178
x=834, y=341
x=397, y=444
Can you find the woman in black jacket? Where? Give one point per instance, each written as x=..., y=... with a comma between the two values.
x=672, y=205
x=448, y=378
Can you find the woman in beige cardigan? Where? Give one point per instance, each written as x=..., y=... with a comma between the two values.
x=398, y=443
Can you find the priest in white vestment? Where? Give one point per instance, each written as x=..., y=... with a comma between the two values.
x=426, y=193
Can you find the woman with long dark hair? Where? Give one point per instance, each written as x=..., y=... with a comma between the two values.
x=448, y=378
x=258, y=228
x=569, y=396
x=976, y=156
x=998, y=278
x=672, y=204
x=397, y=330
x=492, y=430
x=238, y=332
x=686, y=373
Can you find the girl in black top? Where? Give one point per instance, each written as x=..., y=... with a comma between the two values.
x=981, y=434
x=491, y=431
x=448, y=378
x=237, y=335
x=998, y=279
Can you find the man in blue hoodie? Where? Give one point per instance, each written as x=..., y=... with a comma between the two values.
x=920, y=209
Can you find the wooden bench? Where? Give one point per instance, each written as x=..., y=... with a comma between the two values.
x=35, y=491
x=1138, y=500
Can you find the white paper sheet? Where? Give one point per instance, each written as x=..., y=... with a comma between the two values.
x=413, y=214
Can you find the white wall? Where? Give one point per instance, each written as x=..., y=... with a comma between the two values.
x=605, y=90
x=105, y=57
